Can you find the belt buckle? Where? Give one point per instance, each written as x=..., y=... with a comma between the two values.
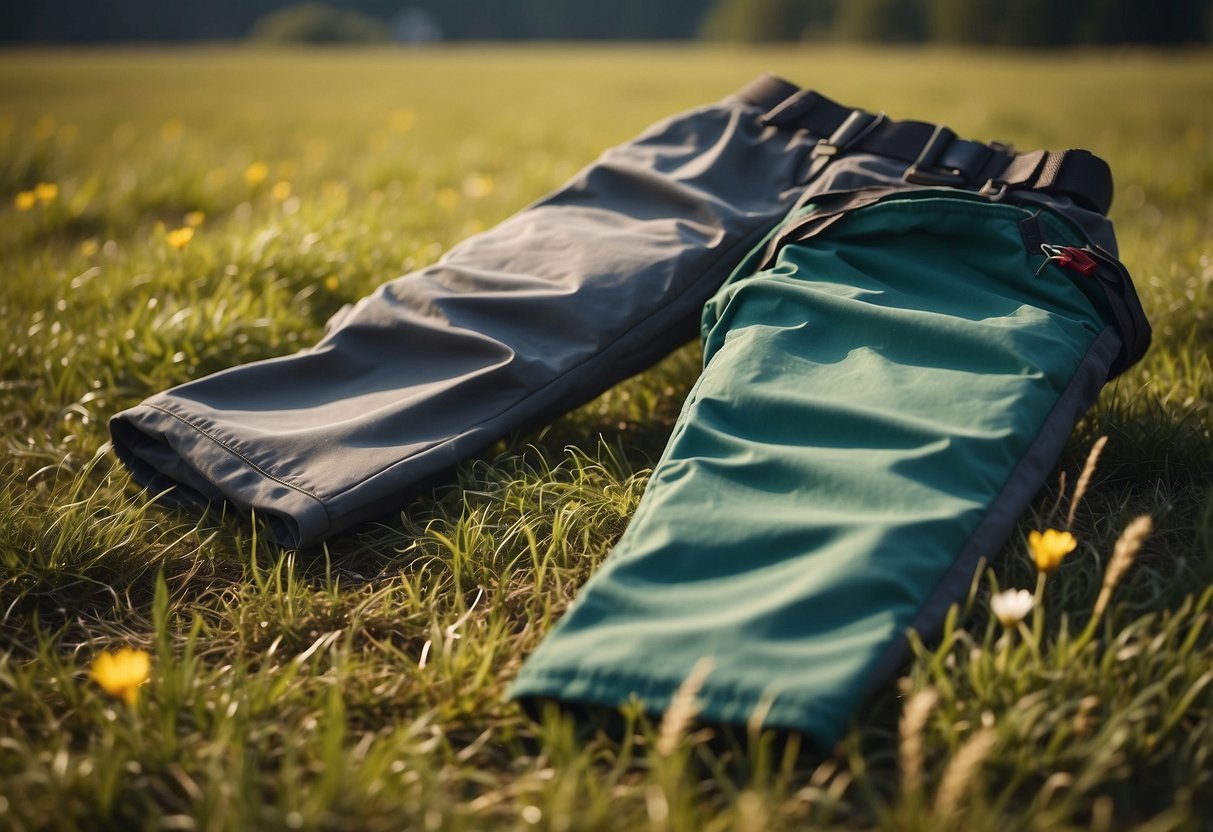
x=924, y=171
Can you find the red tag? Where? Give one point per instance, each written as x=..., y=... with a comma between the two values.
x=1074, y=259
x=1068, y=256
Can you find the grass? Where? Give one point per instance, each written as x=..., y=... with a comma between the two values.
x=361, y=689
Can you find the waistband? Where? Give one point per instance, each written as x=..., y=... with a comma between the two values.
x=934, y=155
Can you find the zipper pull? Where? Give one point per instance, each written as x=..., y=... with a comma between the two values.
x=1068, y=257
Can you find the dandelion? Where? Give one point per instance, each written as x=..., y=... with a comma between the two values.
x=1049, y=547
x=46, y=192
x=1011, y=606
x=478, y=185
x=44, y=128
x=332, y=189
x=25, y=200
x=256, y=173
x=447, y=198
x=194, y=219
x=120, y=674
x=179, y=238
x=281, y=190
x=402, y=120
x=172, y=130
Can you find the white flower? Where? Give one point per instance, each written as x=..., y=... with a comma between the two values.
x=1011, y=606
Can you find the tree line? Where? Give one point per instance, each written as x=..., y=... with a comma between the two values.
x=991, y=22
x=1001, y=22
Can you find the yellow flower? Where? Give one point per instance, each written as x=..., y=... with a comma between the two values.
x=172, y=130
x=332, y=283
x=255, y=173
x=281, y=190
x=44, y=128
x=194, y=218
x=180, y=237
x=89, y=247
x=1011, y=606
x=332, y=189
x=120, y=674
x=477, y=185
x=26, y=200
x=46, y=191
x=402, y=120
x=1049, y=547
x=447, y=198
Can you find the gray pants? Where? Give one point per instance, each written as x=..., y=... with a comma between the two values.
x=514, y=326
x=533, y=318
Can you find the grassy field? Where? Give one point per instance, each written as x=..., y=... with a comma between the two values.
x=362, y=689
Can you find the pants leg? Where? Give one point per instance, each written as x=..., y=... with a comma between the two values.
x=878, y=406
x=516, y=325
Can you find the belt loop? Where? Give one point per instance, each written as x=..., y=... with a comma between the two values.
x=857, y=125
x=926, y=170
x=791, y=110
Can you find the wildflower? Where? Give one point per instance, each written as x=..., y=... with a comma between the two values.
x=1011, y=606
x=179, y=238
x=172, y=130
x=332, y=283
x=120, y=674
x=89, y=247
x=402, y=120
x=1049, y=547
x=44, y=128
x=447, y=198
x=26, y=200
x=477, y=185
x=46, y=192
x=194, y=219
x=281, y=190
x=256, y=173
x=332, y=189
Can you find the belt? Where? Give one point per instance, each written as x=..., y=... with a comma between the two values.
x=933, y=153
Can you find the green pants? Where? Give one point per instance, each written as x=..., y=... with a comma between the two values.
x=879, y=403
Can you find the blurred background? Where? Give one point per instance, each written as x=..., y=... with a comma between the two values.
x=1033, y=23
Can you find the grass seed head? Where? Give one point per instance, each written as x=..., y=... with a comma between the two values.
x=1084, y=479
x=1123, y=554
x=683, y=708
x=913, y=721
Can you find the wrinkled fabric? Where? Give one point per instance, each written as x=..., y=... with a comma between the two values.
x=877, y=408
x=512, y=327
x=891, y=371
